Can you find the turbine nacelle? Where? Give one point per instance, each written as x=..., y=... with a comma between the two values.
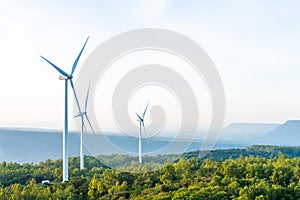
x=140, y=120
x=63, y=78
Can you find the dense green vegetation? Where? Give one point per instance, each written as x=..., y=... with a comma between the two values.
x=264, y=151
x=243, y=176
x=131, y=164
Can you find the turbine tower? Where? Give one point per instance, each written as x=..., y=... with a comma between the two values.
x=67, y=77
x=82, y=115
x=142, y=124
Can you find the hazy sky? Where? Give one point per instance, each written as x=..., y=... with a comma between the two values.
x=254, y=44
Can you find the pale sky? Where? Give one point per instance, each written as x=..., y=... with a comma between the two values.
x=254, y=44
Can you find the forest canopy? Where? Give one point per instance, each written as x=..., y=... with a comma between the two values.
x=257, y=172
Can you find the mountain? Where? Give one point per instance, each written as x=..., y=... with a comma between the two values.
x=286, y=134
x=35, y=145
x=246, y=131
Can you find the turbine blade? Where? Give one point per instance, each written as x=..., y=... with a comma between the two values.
x=139, y=116
x=84, y=127
x=145, y=134
x=75, y=95
x=89, y=123
x=87, y=96
x=78, y=57
x=145, y=110
x=143, y=124
x=77, y=115
x=57, y=68
x=140, y=135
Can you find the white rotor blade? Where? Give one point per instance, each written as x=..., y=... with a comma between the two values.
x=139, y=117
x=89, y=123
x=87, y=96
x=145, y=134
x=84, y=126
x=145, y=110
x=77, y=115
x=75, y=95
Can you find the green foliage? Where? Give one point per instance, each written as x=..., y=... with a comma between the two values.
x=264, y=151
x=244, y=177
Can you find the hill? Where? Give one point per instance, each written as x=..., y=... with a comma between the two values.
x=285, y=134
x=31, y=145
x=264, y=151
x=247, y=131
x=35, y=145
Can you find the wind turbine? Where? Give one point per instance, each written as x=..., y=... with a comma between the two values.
x=67, y=77
x=82, y=115
x=142, y=124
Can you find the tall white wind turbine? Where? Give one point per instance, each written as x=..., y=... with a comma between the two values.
x=82, y=115
x=142, y=125
x=67, y=77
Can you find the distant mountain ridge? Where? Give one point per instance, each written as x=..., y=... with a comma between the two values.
x=34, y=145
x=285, y=134
x=19, y=145
x=30, y=129
x=251, y=127
x=247, y=131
